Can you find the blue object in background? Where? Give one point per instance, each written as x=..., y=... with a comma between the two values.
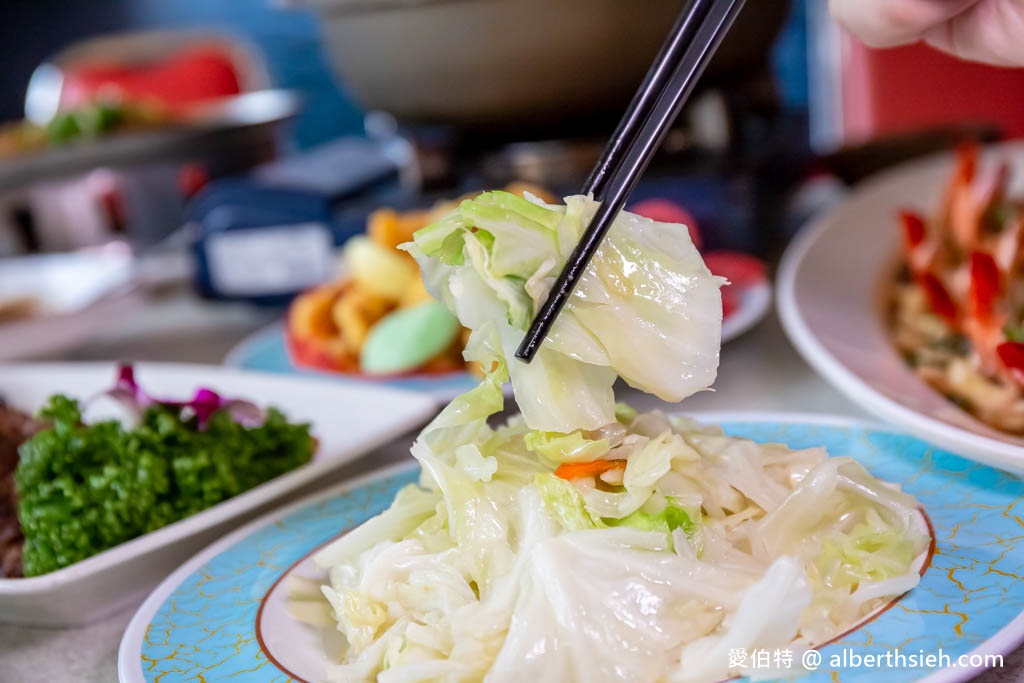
x=789, y=59
x=268, y=236
x=264, y=244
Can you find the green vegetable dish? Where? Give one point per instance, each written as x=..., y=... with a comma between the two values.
x=84, y=488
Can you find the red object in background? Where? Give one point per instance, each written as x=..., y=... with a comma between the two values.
x=186, y=78
x=742, y=271
x=310, y=354
x=906, y=88
x=913, y=229
x=939, y=298
x=1012, y=356
x=986, y=286
x=192, y=178
x=739, y=269
x=665, y=211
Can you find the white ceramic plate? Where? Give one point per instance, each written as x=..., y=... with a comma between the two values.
x=347, y=421
x=78, y=295
x=222, y=616
x=829, y=299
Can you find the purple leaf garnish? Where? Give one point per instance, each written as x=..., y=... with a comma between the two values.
x=204, y=403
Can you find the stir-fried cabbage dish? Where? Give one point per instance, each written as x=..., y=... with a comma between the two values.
x=582, y=540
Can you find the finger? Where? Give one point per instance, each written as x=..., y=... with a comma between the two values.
x=990, y=31
x=886, y=23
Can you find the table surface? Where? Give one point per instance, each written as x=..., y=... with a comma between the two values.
x=759, y=371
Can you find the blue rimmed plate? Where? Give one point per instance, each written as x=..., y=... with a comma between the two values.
x=221, y=617
x=267, y=351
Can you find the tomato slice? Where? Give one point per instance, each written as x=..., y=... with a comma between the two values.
x=730, y=302
x=178, y=81
x=740, y=270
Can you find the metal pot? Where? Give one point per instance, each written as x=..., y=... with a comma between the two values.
x=510, y=63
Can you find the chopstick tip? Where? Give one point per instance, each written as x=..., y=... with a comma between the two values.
x=531, y=343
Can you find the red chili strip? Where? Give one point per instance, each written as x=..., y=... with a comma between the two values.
x=986, y=285
x=938, y=298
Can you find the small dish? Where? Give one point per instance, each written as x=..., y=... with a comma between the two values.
x=348, y=422
x=267, y=351
x=829, y=300
x=219, y=614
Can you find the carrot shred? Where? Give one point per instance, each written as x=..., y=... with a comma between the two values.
x=577, y=470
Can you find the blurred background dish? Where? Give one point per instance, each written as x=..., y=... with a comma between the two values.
x=121, y=130
x=268, y=169
x=178, y=69
x=377, y=323
x=407, y=143
x=505, y=45
x=268, y=350
x=955, y=305
x=377, y=319
x=53, y=302
x=832, y=286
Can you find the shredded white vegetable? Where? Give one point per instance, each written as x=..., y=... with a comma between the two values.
x=582, y=541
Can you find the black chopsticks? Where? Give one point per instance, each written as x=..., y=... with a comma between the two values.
x=666, y=88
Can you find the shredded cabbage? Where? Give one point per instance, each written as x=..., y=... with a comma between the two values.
x=582, y=540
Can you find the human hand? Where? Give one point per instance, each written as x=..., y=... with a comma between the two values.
x=978, y=30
